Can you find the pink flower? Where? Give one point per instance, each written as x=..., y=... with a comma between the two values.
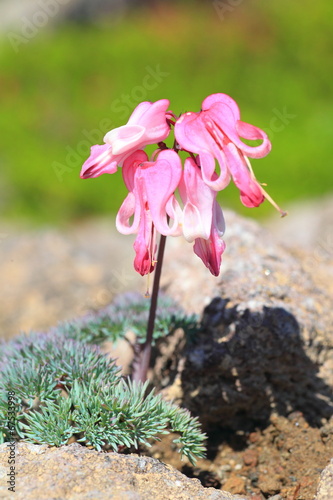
x=146, y=125
x=150, y=202
x=210, y=251
x=215, y=133
x=203, y=220
x=151, y=207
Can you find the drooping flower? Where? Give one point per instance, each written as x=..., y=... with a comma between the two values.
x=146, y=125
x=215, y=134
x=203, y=220
x=151, y=207
x=150, y=202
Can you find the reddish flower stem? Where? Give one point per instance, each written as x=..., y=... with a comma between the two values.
x=141, y=365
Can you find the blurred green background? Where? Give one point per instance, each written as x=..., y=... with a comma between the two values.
x=69, y=82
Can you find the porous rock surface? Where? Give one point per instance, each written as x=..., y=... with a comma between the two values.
x=74, y=472
x=325, y=487
x=55, y=274
x=267, y=342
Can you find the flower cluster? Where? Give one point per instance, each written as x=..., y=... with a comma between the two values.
x=211, y=137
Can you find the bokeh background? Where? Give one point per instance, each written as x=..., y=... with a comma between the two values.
x=73, y=69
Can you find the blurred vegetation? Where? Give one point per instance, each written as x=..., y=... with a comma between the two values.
x=68, y=85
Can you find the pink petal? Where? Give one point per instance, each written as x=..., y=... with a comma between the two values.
x=128, y=208
x=207, y=163
x=138, y=112
x=146, y=125
x=145, y=250
x=132, y=204
x=130, y=166
x=251, y=192
x=124, y=139
x=175, y=212
x=153, y=119
x=198, y=201
x=192, y=135
x=225, y=122
x=145, y=242
x=218, y=220
x=101, y=161
x=224, y=99
x=161, y=179
x=253, y=133
x=210, y=252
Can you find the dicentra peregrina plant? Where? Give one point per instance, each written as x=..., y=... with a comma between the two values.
x=151, y=206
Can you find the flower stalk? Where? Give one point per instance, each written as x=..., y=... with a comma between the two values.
x=141, y=363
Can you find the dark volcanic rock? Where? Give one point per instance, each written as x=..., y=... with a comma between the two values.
x=267, y=338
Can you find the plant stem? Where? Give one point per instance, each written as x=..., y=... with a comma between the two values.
x=141, y=365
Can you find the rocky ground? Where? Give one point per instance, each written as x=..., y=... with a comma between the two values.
x=76, y=473
x=260, y=375
x=283, y=461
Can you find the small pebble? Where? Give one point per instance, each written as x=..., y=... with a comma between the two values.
x=225, y=468
x=235, y=485
x=253, y=476
x=250, y=458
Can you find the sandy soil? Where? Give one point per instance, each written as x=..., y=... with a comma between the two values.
x=282, y=461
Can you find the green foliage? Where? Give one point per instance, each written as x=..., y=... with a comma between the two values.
x=55, y=99
x=66, y=388
x=49, y=425
x=130, y=311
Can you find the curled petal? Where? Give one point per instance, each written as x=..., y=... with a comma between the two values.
x=224, y=120
x=251, y=193
x=101, y=161
x=132, y=205
x=175, y=212
x=213, y=134
x=128, y=208
x=226, y=115
x=253, y=133
x=207, y=162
